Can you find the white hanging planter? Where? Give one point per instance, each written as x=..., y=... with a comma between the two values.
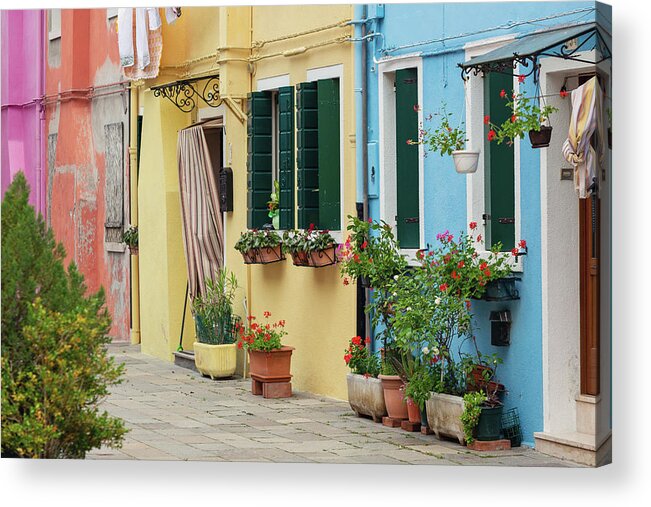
x=465, y=161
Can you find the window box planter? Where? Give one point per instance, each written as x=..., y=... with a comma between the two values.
x=393, y=388
x=300, y=258
x=264, y=255
x=502, y=289
x=325, y=257
x=540, y=138
x=366, y=396
x=444, y=416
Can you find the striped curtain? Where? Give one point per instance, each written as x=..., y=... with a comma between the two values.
x=586, y=119
x=202, y=219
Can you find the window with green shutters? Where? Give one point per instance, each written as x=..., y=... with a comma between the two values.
x=407, y=188
x=318, y=154
x=499, y=164
x=270, y=155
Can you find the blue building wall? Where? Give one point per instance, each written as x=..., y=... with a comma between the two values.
x=445, y=190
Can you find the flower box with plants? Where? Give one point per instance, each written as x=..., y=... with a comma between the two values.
x=215, y=352
x=365, y=393
x=310, y=247
x=260, y=247
x=130, y=238
x=269, y=360
x=432, y=311
x=448, y=140
x=526, y=117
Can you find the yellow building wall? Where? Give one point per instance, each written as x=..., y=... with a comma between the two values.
x=318, y=308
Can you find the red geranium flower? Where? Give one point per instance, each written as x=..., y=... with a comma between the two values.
x=461, y=264
x=479, y=238
x=356, y=340
x=473, y=226
x=522, y=244
x=514, y=252
x=502, y=94
x=491, y=134
x=267, y=314
x=513, y=118
x=563, y=94
x=443, y=287
x=487, y=120
x=483, y=266
x=364, y=245
x=368, y=340
x=521, y=78
x=346, y=282
x=487, y=272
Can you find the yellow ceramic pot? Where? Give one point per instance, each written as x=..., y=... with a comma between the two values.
x=216, y=361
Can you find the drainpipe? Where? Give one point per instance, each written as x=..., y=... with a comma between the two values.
x=40, y=112
x=361, y=183
x=133, y=218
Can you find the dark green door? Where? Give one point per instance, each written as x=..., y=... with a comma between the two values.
x=407, y=159
x=499, y=166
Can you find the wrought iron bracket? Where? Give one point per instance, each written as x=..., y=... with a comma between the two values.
x=185, y=93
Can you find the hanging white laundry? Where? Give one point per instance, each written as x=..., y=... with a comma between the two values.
x=125, y=36
x=142, y=41
x=172, y=14
x=154, y=18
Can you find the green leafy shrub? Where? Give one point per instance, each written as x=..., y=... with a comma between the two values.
x=55, y=368
x=472, y=403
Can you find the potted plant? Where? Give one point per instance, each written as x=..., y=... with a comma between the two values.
x=448, y=140
x=417, y=391
x=365, y=393
x=260, y=247
x=270, y=361
x=432, y=311
x=216, y=326
x=526, y=116
x=274, y=206
x=310, y=247
x=130, y=238
x=370, y=253
x=481, y=417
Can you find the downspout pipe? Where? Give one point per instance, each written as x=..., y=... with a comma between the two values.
x=133, y=208
x=361, y=183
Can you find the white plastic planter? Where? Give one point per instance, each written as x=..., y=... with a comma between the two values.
x=465, y=161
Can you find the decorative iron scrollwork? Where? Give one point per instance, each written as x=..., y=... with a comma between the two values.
x=183, y=94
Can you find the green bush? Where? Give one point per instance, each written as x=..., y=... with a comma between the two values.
x=55, y=367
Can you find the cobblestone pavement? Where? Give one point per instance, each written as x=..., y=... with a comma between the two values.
x=176, y=414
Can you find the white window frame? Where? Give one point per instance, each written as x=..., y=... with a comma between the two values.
x=54, y=24
x=475, y=189
x=335, y=72
x=387, y=137
x=111, y=12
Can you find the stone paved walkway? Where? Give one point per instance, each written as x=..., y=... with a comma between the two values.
x=176, y=414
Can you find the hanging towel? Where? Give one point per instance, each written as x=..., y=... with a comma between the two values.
x=172, y=14
x=142, y=38
x=125, y=36
x=154, y=18
x=586, y=119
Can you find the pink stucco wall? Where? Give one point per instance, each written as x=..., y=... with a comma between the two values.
x=23, y=146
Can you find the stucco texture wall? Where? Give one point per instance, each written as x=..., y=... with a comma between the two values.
x=77, y=155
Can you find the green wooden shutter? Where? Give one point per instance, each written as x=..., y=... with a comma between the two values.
x=286, y=155
x=259, y=158
x=329, y=154
x=499, y=166
x=407, y=217
x=307, y=159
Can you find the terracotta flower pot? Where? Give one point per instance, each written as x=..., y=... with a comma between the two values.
x=393, y=388
x=272, y=365
x=263, y=255
x=413, y=411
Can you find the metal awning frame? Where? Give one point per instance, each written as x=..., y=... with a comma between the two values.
x=530, y=61
x=185, y=93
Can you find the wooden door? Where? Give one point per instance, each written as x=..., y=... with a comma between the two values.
x=589, y=246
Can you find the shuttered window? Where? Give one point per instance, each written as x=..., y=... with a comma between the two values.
x=499, y=166
x=259, y=158
x=270, y=130
x=318, y=154
x=407, y=218
x=286, y=155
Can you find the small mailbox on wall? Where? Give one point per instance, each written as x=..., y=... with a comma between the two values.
x=226, y=189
